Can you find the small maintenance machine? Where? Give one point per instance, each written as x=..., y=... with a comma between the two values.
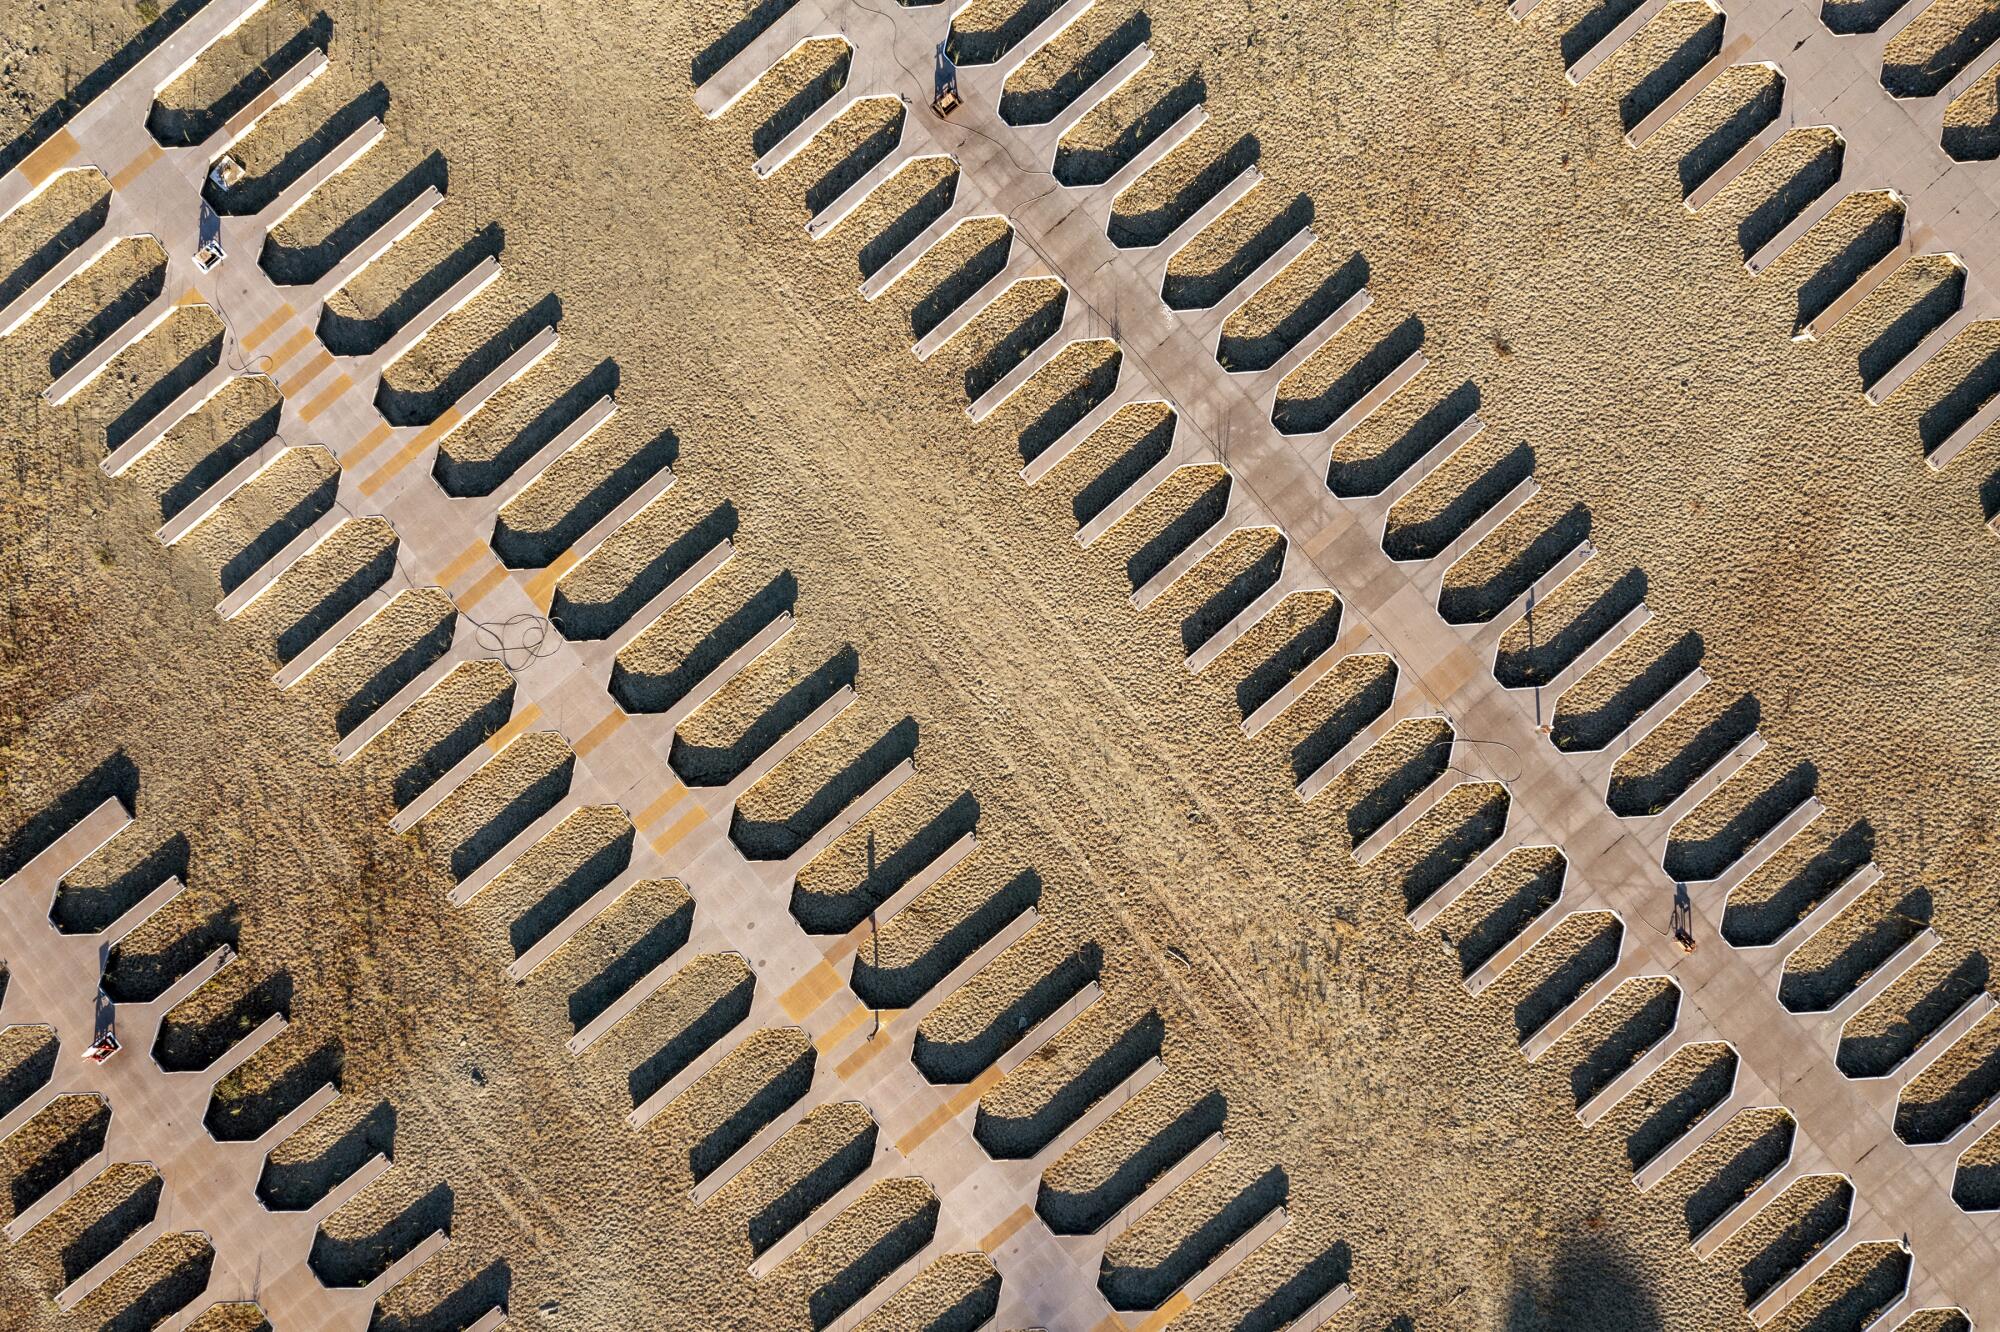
x=944, y=84
x=208, y=245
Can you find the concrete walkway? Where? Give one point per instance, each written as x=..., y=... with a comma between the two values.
x=1846, y=1126
x=1891, y=143
x=157, y=1117
x=925, y=1128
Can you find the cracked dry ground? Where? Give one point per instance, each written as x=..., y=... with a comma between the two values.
x=1788, y=523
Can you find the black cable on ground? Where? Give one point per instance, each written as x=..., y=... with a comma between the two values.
x=517, y=642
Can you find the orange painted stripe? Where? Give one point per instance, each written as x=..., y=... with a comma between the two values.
x=435, y=431
x=950, y=1110
x=256, y=336
x=1005, y=1231
x=367, y=444
x=1451, y=675
x=520, y=722
x=441, y=427
x=190, y=297
x=849, y=942
x=259, y=104
x=684, y=825
x=291, y=347
x=326, y=399
x=308, y=372
x=1323, y=538
x=51, y=157
x=601, y=732
x=477, y=592
x=411, y=451
x=462, y=564
x=1152, y=1322
x=652, y=814
x=542, y=587
x=809, y=992
x=136, y=168
x=842, y=1029
x=386, y=473
x=868, y=1049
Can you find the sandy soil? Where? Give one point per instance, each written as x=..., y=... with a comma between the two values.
x=1971, y=122
x=1934, y=47
x=951, y=1293
x=1775, y=512
x=264, y=501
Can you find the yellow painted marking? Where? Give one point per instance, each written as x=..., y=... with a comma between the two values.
x=868, y=1049
x=1005, y=1231
x=654, y=812
x=441, y=427
x=684, y=825
x=949, y=1111
x=256, y=336
x=477, y=592
x=462, y=564
x=306, y=373
x=136, y=168
x=326, y=399
x=1154, y=1321
x=410, y=452
x=542, y=587
x=847, y=943
x=809, y=992
x=367, y=444
x=601, y=732
x=1444, y=680
x=433, y=432
x=851, y=941
x=520, y=722
x=1323, y=538
x=844, y=1028
x=429, y=435
x=263, y=102
x=291, y=347
x=51, y=157
x=386, y=473
x=190, y=297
